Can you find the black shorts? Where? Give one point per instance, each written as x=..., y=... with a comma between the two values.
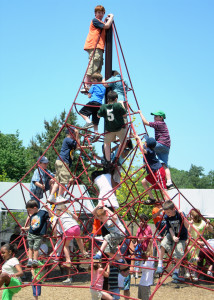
x=91, y=110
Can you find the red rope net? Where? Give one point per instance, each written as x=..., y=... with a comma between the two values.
x=80, y=199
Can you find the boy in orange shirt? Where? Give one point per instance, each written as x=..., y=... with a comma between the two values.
x=96, y=39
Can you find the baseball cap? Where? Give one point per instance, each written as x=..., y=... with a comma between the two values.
x=43, y=160
x=151, y=142
x=159, y=113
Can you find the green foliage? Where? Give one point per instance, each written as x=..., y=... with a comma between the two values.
x=8, y=222
x=4, y=177
x=13, y=163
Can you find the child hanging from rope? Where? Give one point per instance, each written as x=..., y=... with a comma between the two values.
x=96, y=39
x=115, y=227
x=96, y=95
x=67, y=221
x=11, y=271
x=155, y=166
x=98, y=274
x=114, y=114
x=163, y=141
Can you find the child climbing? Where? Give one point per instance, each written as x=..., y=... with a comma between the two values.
x=11, y=272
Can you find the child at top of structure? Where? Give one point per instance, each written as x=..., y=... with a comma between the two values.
x=175, y=238
x=96, y=28
x=98, y=274
x=11, y=272
x=103, y=181
x=37, y=221
x=155, y=166
x=113, y=113
x=67, y=222
x=64, y=161
x=96, y=95
x=115, y=227
x=40, y=181
x=163, y=141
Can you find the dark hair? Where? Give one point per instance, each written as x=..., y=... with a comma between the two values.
x=96, y=174
x=114, y=73
x=95, y=266
x=10, y=247
x=144, y=217
x=112, y=96
x=32, y=204
x=168, y=205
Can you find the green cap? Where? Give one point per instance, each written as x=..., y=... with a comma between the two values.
x=159, y=113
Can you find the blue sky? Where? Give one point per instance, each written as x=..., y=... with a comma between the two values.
x=168, y=46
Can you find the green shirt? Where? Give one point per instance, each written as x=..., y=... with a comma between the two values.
x=37, y=270
x=113, y=115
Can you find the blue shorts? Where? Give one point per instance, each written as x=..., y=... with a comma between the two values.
x=162, y=152
x=117, y=291
x=37, y=290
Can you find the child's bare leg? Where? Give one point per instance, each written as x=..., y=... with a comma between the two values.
x=30, y=254
x=54, y=188
x=67, y=251
x=35, y=254
x=61, y=189
x=106, y=296
x=146, y=186
x=36, y=297
x=81, y=245
x=168, y=174
x=107, y=151
x=85, y=118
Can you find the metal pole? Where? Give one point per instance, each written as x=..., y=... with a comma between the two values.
x=108, y=56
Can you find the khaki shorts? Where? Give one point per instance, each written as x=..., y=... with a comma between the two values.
x=144, y=292
x=34, y=241
x=95, y=295
x=113, y=240
x=96, y=61
x=168, y=244
x=62, y=174
x=111, y=136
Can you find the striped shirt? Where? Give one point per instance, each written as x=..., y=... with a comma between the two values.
x=113, y=277
x=161, y=132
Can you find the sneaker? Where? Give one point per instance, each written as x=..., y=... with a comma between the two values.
x=97, y=256
x=60, y=199
x=95, y=138
x=88, y=125
x=150, y=201
x=136, y=275
x=170, y=186
x=84, y=91
x=29, y=263
x=51, y=199
x=129, y=144
x=176, y=277
x=68, y=280
x=187, y=275
x=35, y=263
x=159, y=270
x=195, y=278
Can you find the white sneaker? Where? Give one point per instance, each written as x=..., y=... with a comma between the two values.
x=68, y=280
x=187, y=275
x=61, y=199
x=51, y=199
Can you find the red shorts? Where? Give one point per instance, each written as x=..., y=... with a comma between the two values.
x=72, y=232
x=160, y=176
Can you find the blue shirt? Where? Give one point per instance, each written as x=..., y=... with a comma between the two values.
x=38, y=222
x=68, y=146
x=41, y=177
x=97, y=92
x=152, y=160
x=118, y=86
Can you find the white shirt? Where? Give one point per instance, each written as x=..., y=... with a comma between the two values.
x=210, y=243
x=67, y=221
x=9, y=266
x=147, y=275
x=106, y=193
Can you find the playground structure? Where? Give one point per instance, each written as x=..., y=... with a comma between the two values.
x=129, y=192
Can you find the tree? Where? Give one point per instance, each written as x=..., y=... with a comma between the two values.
x=13, y=162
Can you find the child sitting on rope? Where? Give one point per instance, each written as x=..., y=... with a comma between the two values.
x=96, y=40
x=67, y=222
x=175, y=238
x=117, y=232
x=163, y=141
x=114, y=114
x=96, y=95
x=155, y=166
x=11, y=271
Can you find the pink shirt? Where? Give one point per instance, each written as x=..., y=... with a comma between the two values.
x=146, y=231
x=99, y=278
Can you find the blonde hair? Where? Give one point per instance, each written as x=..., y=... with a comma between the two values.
x=63, y=207
x=196, y=215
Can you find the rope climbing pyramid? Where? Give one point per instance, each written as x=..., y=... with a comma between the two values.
x=89, y=214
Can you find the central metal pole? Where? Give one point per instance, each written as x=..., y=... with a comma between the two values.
x=108, y=55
